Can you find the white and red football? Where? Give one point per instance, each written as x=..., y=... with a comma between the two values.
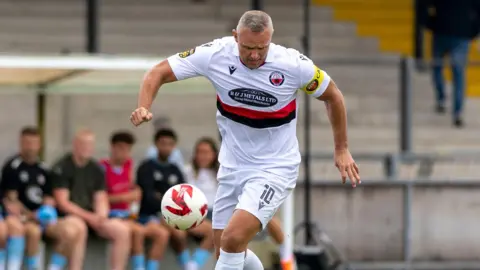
x=184, y=206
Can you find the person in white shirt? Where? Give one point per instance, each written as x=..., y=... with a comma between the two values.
x=257, y=84
x=202, y=172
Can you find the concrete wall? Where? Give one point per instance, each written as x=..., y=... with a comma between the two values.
x=367, y=223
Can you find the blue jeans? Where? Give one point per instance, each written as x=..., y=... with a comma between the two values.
x=457, y=49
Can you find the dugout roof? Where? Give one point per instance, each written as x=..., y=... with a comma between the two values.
x=84, y=74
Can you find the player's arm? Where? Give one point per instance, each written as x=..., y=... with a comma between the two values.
x=337, y=113
x=181, y=66
x=12, y=204
x=100, y=197
x=318, y=84
x=152, y=81
x=61, y=194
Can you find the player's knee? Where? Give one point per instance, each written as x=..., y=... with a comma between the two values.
x=14, y=226
x=81, y=226
x=233, y=241
x=160, y=234
x=120, y=230
x=69, y=233
x=138, y=231
x=33, y=231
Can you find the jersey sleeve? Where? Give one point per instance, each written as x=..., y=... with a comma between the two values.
x=8, y=178
x=193, y=62
x=100, y=181
x=313, y=80
x=59, y=176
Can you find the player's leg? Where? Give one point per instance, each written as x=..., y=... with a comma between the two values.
x=258, y=202
x=202, y=254
x=70, y=236
x=159, y=236
x=3, y=243
x=226, y=200
x=275, y=231
x=179, y=240
x=138, y=241
x=16, y=242
x=118, y=232
x=33, y=235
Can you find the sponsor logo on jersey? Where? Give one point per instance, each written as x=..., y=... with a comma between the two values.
x=253, y=97
x=276, y=78
x=313, y=85
x=186, y=53
x=232, y=69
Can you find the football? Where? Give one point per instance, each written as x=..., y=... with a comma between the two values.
x=184, y=206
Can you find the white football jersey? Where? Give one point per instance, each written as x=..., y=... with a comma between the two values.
x=256, y=108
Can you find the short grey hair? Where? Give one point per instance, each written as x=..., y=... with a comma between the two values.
x=255, y=20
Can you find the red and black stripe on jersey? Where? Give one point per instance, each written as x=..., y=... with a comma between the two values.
x=258, y=119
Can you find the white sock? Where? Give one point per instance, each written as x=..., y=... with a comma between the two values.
x=191, y=266
x=252, y=262
x=230, y=261
x=14, y=264
x=54, y=267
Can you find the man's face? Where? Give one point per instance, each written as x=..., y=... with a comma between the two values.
x=83, y=146
x=252, y=46
x=121, y=152
x=165, y=146
x=30, y=145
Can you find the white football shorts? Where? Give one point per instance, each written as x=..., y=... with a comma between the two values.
x=255, y=191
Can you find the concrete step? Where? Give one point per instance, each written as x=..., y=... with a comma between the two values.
x=154, y=10
x=110, y=41
x=205, y=28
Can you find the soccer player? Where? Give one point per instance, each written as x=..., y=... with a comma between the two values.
x=79, y=189
x=155, y=177
x=256, y=83
x=125, y=196
x=29, y=208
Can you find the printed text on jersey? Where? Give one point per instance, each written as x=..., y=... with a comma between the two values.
x=258, y=119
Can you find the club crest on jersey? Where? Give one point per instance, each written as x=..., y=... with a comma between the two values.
x=276, y=78
x=253, y=97
x=186, y=53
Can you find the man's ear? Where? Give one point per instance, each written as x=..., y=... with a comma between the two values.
x=235, y=34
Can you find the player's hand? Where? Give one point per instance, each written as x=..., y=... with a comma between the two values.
x=140, y=115
x=347, y=167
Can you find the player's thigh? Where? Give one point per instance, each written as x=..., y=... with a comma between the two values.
x=262, y=195
x=14, y=225
x=202, y=230
x=114, y=229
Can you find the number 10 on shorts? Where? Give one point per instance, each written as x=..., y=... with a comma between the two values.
x=266, y=197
